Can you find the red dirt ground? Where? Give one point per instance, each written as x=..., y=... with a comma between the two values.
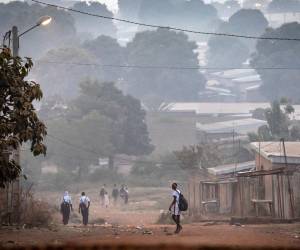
x=287, y=235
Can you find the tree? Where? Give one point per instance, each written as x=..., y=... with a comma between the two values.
x=194, y=14
x=59, y=76
x=19, y=122
x=277, y=121
x=278, y=124
x=282, y=54
x=281, y=6
x=198, y=156
x=222, y=50
x=91, y=25
x=108, y=52
x=105, y=121
x=59, y=32
x=249, y=22
x=167, y=49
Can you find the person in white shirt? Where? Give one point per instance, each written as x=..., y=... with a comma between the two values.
x=84, y=205
x=106, y=200
x=66, y=207
x=174, y=207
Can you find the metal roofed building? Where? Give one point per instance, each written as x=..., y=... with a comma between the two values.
x=273, y=152
x=221, y=130
x=230, y=169
x=242, y=126
x=213, y=108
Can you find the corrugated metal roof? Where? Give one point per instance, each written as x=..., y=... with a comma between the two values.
x=213, y=107
x=235, y=73
x=232, y=168
x=275, y=153
x=242, y=126
x=247, y=79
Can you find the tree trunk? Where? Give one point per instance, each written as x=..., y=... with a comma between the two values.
x=111, y=162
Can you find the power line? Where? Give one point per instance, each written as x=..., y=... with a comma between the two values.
x=165, y=67
x=166, y=27
x=80, y=148
x=72, y=145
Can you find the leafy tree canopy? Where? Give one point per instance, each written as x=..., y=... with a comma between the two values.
x=247, y=22
x=277, y=83
x=198, y=156
x=92, y=25
x=163, y=48
x=222, y=50
x=279, y=124
x=108, y=52
x=194, y=14
x=19, y=122
x=102, y=121
x=57, y=74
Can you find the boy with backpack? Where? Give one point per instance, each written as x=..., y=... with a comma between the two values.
x=84, y=205
x=66, y=207
x=178, y=204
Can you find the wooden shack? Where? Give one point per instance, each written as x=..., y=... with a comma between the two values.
x=272, y=189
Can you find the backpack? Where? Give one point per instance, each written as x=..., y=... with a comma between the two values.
x=183, y=204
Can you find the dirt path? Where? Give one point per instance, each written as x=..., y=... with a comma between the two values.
x=195, y=234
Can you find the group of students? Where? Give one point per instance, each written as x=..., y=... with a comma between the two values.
x=66, y=207
x=84, y=202
x=177, y=205
x=115, y=194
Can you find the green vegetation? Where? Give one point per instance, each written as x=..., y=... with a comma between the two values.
x=279, y=124
x=19, y=122
x=281, y=54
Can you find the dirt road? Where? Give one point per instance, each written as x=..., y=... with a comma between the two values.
x=135, y=224
x=194, y=234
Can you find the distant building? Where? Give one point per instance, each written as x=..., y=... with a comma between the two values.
x=238, y=81
x=214, y=108
x=228, y=129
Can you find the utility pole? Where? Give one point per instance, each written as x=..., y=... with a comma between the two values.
x=15, y=41
x=15, y=186
x=290, y=190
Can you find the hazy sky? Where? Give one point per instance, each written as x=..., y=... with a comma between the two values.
x=112, y=4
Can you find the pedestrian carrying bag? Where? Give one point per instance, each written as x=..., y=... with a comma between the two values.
x=183, y=204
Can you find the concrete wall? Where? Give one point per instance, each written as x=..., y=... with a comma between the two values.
x=171, y=131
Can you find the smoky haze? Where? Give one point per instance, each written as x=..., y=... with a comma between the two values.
x=142, y=106
x=148, y=68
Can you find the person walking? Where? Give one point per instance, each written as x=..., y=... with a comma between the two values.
x=174, y=207
x=102, y=194
x=84, y=205
x=106, y=199
x=115, y=194
x=66, y=208
x=124, y=194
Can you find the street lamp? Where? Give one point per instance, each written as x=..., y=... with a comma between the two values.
x=43, y=21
